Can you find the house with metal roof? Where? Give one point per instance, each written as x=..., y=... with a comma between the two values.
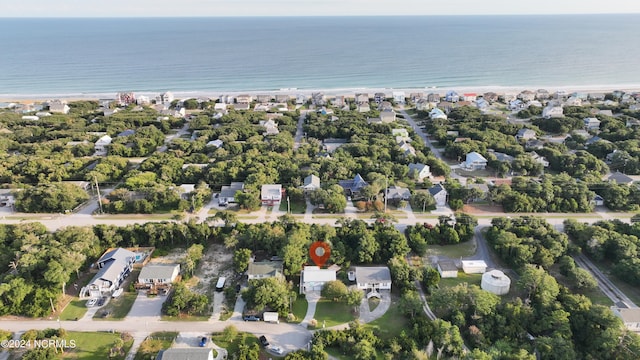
x=191, y=353
x=227, y=193
x=153, y=275
x=475, y=161
x=271, y=194
x=264, y=269
x=113, y=267
x=311, y=183
x=373, y=278
x=313, y=278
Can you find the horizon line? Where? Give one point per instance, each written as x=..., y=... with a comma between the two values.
x=309, y=16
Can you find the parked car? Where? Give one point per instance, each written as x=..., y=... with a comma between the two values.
x=117, y=293
x=105, y=314
x=276, y=350
x=203, y=341
x=100, y=301
x=263, y=341
x=251, y=318
x=238, y=287
x=91, y=301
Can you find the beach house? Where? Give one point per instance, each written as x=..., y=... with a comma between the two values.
x=475, y=161
x=102, y=145
x=419, y=171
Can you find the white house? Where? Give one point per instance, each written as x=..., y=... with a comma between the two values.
x=525, y=134
x=591, y=123
x=373, y=278
x=215, y=143
x=113, y=267
x=158, y=274
x=102, y=145
x=399, y=97
x=311, y=183
x=58, y=106
x=264, y=269
x=475, y=161
x=437, y=113
x=271, y=194
x=551, y=111
x=474, y=266
x=539, y=159
x=630, y=316
x=420, y=171
x=439, y=194
x=313, y=278
x=7, y=198
x=189, y=353
x=452, y=96
x=227, y=193
x=447, y=269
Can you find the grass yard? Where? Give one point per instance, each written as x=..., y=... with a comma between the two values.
x=456, y=251
x=632, y=292
x=154, y=343
x=118, y=308
x=471, y=279
x=373, y=303
x=233, y=346
x=336, y=353
x=333, y=313
x=300, y=308
x=390, y=324
x=184, y=318
x=297, y=207
x=75, y=310
x=94, y=345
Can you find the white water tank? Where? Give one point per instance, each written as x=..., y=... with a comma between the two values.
x=495, y=281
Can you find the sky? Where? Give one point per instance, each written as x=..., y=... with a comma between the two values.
x=206, y=8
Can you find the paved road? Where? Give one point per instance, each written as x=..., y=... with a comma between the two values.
x=299, y=130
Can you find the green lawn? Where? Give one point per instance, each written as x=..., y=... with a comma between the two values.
x=118, y=308
x=632, y=292
x=337, y=354
x=184, y=318
x=373, y=303
x=390, y=324
x=233, y=346
x=452, y=251
x=333, y=313
x=471, y=279
x=154, y=343
x=75, y=310
x=93, y=345
x=300, y=308
x=297, y=207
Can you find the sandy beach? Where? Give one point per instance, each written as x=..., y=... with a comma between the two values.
x=347, y=92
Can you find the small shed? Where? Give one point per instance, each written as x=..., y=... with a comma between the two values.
x=271, y=317
x=474, y=266
x=447, y=269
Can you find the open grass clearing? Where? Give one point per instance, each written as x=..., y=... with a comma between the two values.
x=329, y=313
x=297, y=207
x=75, y=310
x=471, y=279
x=373, y=303
x=456, y=251
x=632, y=292
x=94, y=345
x=117, y=308
x=299, y=308
x=233, y=346
x=155, y=342
x=390, y=324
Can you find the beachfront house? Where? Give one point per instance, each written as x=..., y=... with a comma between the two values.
x=59, y=106
x=552, y=111
x=437, y=113
x=452, y=96
x=399, y=97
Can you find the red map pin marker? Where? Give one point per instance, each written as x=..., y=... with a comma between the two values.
x=320, y=252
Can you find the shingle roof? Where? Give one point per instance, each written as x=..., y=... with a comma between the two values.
x=158, y=271
x=186, y=354
x=265, y=268
x=369, y=275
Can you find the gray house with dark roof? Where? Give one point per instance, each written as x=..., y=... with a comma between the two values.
x=264, y=269
x=352, y=187
x=186, y=354
x=440, y=194
x=113, y=267
x=373, y=277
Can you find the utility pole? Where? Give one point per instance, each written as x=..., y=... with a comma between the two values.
x=95, y=179
x=288, y=206
x=386, y=193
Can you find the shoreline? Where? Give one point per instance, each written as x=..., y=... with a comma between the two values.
x=347, y=92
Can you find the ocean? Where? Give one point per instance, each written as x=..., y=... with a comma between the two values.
x=102, y=56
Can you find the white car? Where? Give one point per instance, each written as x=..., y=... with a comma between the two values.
x=91, y=302
x=276, y=350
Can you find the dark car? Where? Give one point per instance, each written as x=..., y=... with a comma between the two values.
x=238, y=288
x=251, y=318
x=105, y=314
x=263, y=341
x=203, y=341
x=100, y=302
